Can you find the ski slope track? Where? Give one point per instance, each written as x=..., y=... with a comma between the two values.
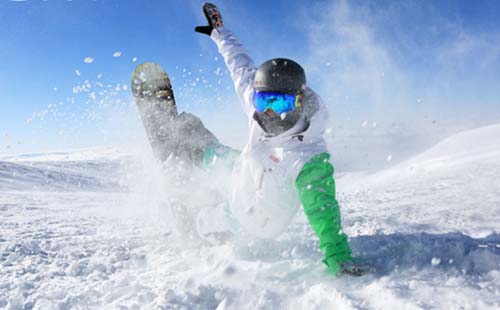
x=90, y=229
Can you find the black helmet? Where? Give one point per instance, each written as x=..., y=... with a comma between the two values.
x=285, y=76
x=280, y=74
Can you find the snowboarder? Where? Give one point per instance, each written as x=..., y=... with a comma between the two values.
x=285, y=163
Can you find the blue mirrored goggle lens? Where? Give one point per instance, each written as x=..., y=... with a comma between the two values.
x=278, y=102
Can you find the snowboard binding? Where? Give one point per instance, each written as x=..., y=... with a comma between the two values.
x=150, y=83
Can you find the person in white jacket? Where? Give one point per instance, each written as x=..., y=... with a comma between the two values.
x=286, y=161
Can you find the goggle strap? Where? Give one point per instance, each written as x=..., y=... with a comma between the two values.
x=298, y=97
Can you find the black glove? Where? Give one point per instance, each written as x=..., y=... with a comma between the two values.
x=352, y=269
x=213, y=17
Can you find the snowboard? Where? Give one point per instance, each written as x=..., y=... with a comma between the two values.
x=183, y=135
x=155, y=101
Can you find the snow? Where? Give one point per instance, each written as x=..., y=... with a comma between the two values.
x=89, y=229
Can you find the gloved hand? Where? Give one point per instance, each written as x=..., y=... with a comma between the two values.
x=352, y=269
x=214, y=19
x=348, y=268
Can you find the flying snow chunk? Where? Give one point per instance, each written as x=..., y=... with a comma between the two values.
x=117, y=54
x=389, y=158
x=88, y=60
x=134, y=59
x=78, y=72
x=435, y=261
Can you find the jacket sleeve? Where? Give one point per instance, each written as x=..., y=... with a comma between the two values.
x=239, y=64
x=316, y=189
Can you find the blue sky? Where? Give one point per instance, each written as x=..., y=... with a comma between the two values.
x=382, y=61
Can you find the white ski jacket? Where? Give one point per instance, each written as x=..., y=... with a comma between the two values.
x=264, y=199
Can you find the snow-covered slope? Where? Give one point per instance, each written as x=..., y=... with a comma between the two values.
x=427, y=226
x=86, y=169
x=77, y=155
x=454, y=186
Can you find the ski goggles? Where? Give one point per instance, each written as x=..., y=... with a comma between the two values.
x=278, y=102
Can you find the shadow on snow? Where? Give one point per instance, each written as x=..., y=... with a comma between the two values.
x=386, y=254
x=451, y=251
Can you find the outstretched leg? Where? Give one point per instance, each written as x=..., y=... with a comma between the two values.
x=169, y=133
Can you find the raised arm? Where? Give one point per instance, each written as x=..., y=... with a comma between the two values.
x=238, y=62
